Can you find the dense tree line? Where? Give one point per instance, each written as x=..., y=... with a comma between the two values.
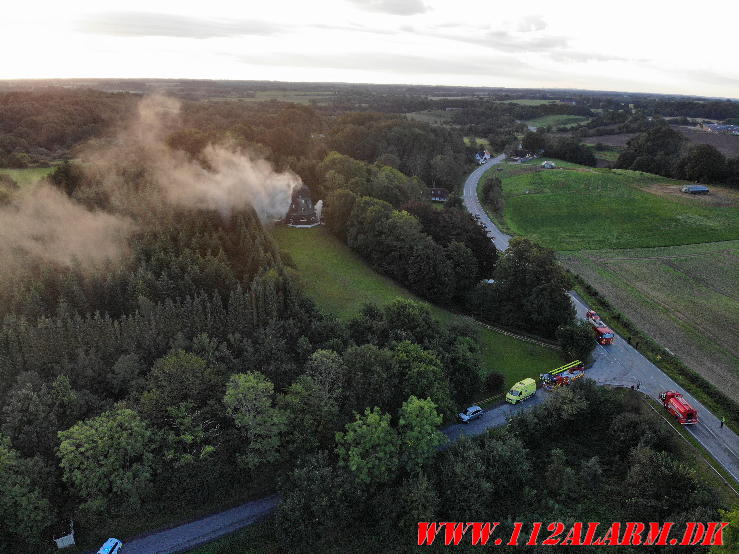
x=435, y=154
x=528, y=292
x=587, y=454
x=438, y=255
x=39, y=126
x=567, y=148
x=664, y=151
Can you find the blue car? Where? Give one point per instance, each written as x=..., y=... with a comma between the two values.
x=111, y=546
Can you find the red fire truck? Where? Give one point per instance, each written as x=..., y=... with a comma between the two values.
x=563, y=376
x=679, y=407
x=603, y=333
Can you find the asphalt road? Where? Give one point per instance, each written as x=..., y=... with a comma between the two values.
x=617, y=364
x=190, y=535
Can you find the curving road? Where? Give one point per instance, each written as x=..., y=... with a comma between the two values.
x=619, y=363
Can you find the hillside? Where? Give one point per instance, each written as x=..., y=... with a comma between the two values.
x=341, y=282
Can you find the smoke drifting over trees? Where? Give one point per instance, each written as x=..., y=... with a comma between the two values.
x=126, y=182
x=221, y=177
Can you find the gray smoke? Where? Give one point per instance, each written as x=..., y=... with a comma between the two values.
x=43, y=224
x=229, y=178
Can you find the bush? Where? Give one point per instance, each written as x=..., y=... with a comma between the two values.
x=494, y=383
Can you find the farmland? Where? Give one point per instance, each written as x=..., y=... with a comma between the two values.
x=340, y=282
x=728, y=145
x=556, y=120
x=576, y=207
x=27, y=176
x=683, y=296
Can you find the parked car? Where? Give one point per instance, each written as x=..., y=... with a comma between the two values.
x=111, y=546
x=473, y=412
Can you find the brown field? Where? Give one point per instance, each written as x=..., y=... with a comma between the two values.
x=685, y=297
x=719, y=196
x=728, y=145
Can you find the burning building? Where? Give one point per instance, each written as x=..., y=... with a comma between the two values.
x=302, y=212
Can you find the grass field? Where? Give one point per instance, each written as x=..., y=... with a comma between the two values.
x=341, y=282
x=27, y=176
x=576, y=208
x=557, y=120
x=685, y=297
x=479, y=140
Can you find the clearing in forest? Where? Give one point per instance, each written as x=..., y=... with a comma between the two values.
x=341, y=282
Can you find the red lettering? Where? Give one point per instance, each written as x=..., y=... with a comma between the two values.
x=632, y=534
x=427, y=532
x=592, y=529
x=658, y=534
x=555, y=531
x=481, y=532
x=715, y=533
x=534, y=534
x=611, y=536
x=454, y=531
x=516, y=533
x=573, y=536
x=694, y=532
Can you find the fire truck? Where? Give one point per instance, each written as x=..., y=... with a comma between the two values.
x=603, y=333
x=563, y=376
x=679, y=407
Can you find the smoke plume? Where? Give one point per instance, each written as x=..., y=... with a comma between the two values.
x=136, y=175
x=225, y=178
x=43, y=224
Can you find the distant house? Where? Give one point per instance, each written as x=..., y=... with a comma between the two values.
x=695, y=189
x=439, y=195
x=548, y=165
x=301, y=213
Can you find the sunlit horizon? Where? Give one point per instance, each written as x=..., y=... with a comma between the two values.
x=635, y=47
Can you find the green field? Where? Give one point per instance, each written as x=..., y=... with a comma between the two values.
x=27, y=176
x=577, y=208
x=480, y=140
x=685, y=297
x=557, y=120
x=341, y=282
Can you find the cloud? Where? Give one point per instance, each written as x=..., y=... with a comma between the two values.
x=394, y=7
x=532, y=23
x=401, y=64
x=130, y=24
x=578, y=56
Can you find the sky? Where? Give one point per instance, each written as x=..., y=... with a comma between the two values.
x=640, y=46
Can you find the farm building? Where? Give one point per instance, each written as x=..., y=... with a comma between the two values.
x=696, y=189
x=548, y=165
x=439, y=195
x=302, y=212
